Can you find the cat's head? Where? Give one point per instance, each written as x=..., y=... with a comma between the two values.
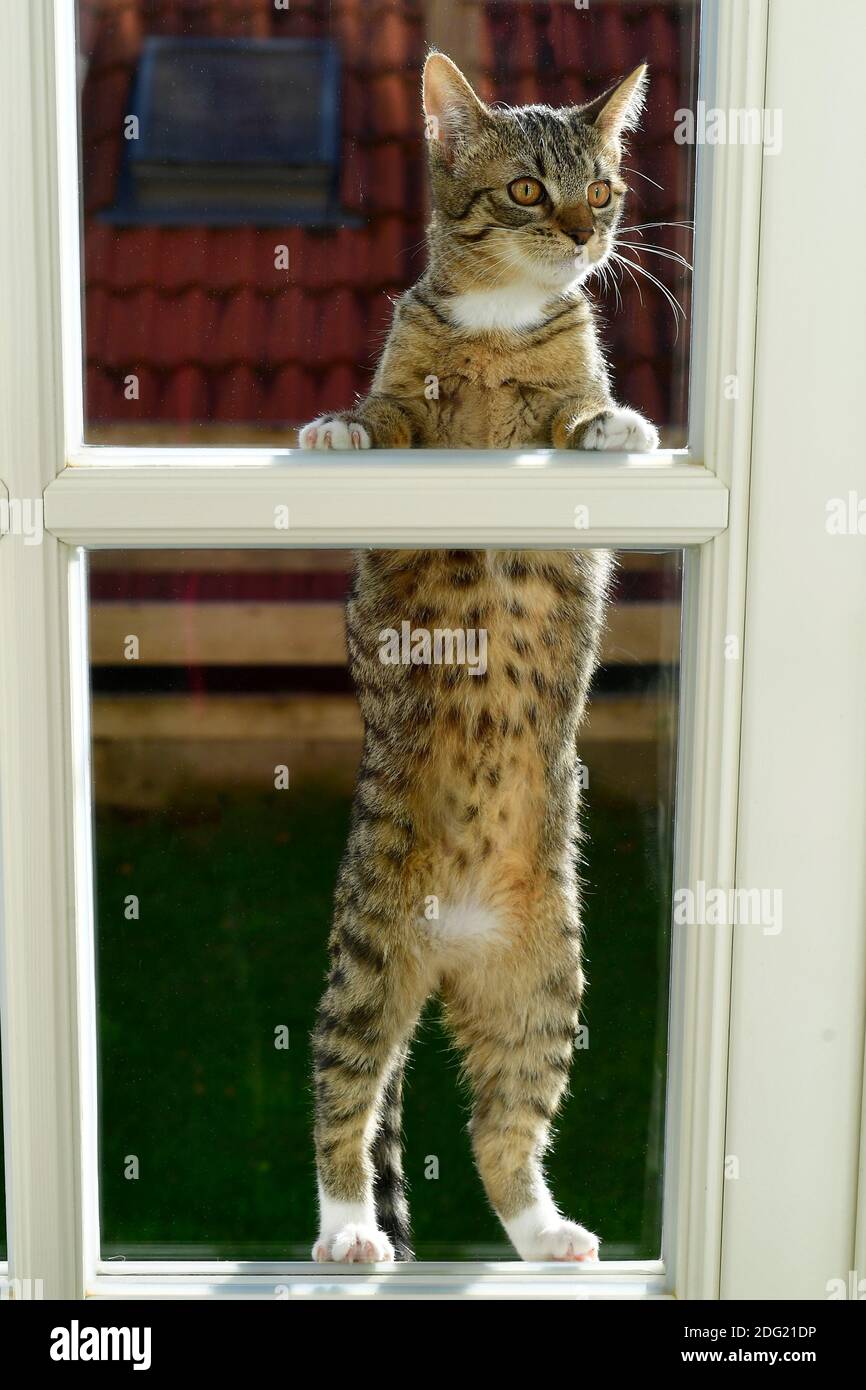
x=525, y=195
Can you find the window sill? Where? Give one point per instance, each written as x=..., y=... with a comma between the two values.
x=643, y=1281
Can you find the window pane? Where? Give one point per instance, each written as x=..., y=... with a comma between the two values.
x=211, y=673
x=255, y=197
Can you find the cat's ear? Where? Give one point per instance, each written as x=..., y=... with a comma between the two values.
x=453, y=112
x=618, y=111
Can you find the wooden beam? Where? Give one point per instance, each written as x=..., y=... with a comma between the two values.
x=313, y=634
x=313, y=718
x=247, y=718
x=220, y=634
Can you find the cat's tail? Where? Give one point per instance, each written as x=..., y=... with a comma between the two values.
x=392, y=1208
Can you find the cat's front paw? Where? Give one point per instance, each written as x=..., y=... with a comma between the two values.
x=354, y=1244
x=623, y=429
x=332, y=432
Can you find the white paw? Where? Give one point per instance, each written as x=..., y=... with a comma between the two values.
x=565, y=1241
x=622, y=429
x=354, y=1244
x=540, y=1233
x=328, y=433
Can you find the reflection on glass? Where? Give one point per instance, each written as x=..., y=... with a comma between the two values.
x=214, y=888
x=254, y=196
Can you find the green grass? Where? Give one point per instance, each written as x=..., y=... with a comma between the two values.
x=230, y=945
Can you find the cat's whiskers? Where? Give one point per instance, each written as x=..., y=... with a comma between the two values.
x=676, y=307
x=511, y=263
x=613, y=280
x=664, y=251
x=620, y=260
x=642, y=270
x=603, y=277
x=645, y=226
x=629, y=170
x=508, y=264
x=605, y=271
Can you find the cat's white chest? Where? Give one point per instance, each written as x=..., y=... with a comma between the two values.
x=461, y=923
x=510, y=309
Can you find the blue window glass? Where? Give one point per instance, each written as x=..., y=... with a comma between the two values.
x=232, y=132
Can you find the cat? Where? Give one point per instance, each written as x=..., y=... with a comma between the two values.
x=460, y=873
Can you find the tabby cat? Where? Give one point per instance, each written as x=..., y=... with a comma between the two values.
x=459, y=877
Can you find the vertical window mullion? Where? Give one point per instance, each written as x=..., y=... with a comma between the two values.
x=38, y=975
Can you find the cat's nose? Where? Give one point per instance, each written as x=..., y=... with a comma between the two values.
x=579, y=235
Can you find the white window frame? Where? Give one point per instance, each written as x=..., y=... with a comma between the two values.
x=726, y=1055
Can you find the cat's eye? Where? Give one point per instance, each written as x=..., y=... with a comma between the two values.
x=599, y=193
x=527, y=192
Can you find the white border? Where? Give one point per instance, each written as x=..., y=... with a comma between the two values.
x=799, y=997
x=47, y=1060
x=101, y=499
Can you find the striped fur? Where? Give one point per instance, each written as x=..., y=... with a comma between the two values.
x=460, y=872
x=392, y=1208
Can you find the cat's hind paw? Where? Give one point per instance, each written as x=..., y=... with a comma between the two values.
x=540, y=1233
x=621, y=428
x=566, y=1241
x=354, y=1244
x=330, y=432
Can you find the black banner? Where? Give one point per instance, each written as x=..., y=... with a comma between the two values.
x=253, y=1335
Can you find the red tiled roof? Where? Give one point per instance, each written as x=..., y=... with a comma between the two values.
x=654, y=583
x=215, y=332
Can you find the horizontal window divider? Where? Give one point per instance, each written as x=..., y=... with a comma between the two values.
x=544, y=498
